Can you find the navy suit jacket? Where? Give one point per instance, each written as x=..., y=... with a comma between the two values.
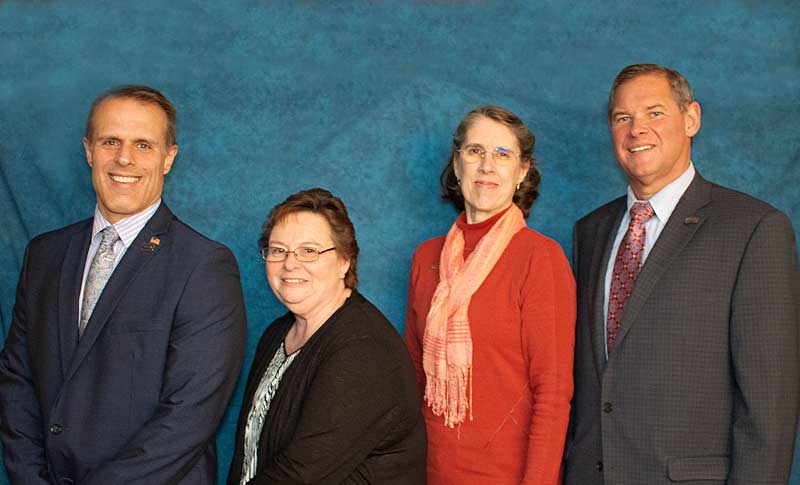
x=703, y=383
x=138, y=398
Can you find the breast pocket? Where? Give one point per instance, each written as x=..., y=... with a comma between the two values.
x=141, y=314
x=129, y=324
x=692, y=468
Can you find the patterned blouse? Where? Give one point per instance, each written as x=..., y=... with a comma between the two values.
x=255, y=420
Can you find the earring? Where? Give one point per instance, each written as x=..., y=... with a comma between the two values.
x=518, y=185
x=458, y=181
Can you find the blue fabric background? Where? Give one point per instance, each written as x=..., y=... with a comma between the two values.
x=362, y=98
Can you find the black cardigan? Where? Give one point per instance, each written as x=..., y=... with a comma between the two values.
x=347, y=410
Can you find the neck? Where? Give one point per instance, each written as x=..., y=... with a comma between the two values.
x=305, y=326
x=644, y=191
x=473, y=216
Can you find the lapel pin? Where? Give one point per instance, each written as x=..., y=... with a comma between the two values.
x=691, y=220
x=151, y=246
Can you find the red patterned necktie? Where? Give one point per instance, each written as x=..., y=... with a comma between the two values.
x=626, y=268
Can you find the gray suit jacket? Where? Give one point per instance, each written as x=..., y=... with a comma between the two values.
x=703, y=384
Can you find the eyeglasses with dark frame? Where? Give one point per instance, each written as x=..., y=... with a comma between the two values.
x=500, y=155
x=304, y=254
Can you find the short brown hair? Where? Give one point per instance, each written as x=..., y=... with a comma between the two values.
x=681, y=90
x=528, y=190
x=332, y=209
x=144, y=94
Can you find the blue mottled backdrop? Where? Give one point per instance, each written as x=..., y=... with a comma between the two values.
x=362, y=98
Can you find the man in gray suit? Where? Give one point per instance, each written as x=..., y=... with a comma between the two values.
x=686, y=357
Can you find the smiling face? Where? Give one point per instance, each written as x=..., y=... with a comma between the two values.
x=652, y=137
x=129, y=156
x=307, y=289
x=487, y=187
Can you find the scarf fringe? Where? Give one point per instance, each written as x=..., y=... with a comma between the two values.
x=451, y=397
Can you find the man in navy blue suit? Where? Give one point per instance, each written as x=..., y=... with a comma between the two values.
x=128, y=330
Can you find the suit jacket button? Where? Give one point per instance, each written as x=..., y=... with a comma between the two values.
x=599, y=466
x=607, y=407
x=56, y=429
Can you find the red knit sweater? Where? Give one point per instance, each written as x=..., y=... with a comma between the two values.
x=522, y=320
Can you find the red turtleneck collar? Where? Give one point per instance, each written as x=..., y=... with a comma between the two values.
x=474, y=232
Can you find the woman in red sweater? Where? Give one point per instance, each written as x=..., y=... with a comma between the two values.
x=491, y=317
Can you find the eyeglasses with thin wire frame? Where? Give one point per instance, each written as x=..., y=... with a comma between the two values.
x=500, y=155
x=304, y=254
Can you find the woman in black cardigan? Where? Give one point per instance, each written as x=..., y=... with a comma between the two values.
x=332, y=397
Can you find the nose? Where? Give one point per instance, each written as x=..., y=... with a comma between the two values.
x=125, y=154
x=638, y=127
x=486, y=164
x=290, y=262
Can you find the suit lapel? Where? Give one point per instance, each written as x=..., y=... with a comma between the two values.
x=69, y=291
x=681, y=227
x=606, y=231
x=138, y=255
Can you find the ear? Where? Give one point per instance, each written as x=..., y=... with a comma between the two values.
x=344, y=266
x=88, y=150
x=171, y=154
x=692, y=119
x=457, y=168
x=526, y=167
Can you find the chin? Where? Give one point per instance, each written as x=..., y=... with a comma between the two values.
x=292, y=302
x=638, y=169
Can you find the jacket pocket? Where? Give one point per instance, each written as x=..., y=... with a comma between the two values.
x=126, y=324
x=690, y=468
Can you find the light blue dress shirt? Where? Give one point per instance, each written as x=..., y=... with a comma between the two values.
x=128, y=229
x=663, y=203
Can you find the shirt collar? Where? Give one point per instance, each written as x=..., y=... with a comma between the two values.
x=127, y=228
x=665, y=200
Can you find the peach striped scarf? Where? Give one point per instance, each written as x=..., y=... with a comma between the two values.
x=447, y=343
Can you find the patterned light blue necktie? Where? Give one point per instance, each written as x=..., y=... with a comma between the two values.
x=99, y=272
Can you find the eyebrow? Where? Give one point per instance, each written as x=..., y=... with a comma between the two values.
x=110, y=136
x=502, y=149
x=303, y=244
x=647, y=108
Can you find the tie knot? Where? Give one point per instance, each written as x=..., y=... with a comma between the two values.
x=642, y=211
x=110, y=236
